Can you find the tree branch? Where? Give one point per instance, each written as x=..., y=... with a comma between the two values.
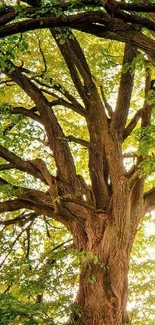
x=85, y=85
x=83, y=143
x=125, y=91
x=107, y=105
x=6, y=166
x=18, y=163
x=130, y=127
x=13, y=205
x=54, y=132
x=8, y=13
x=146, y=111
x=53, y=189
x=26, y=112
x=21, y=220
x=149, y=200
x=42, y=55
x=17, y=204
x=136, y=7
x=126, y=33
x=75, y=61
x=147, y=108
x=131, y=18
x=76, y=106
x=92, y=22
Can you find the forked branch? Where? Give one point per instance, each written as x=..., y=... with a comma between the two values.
x=53, y=130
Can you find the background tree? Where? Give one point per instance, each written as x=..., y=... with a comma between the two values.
x=77, y=148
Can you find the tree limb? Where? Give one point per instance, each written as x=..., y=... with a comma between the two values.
x=125, y=91
x=21, y=220
x=54, y=132
x=126, y=34
x=8, y=13
x=13, y=205
x=147, y=108
x=62, y=102
x=136, y=7
x=18, y=163
x=75, y=61
x=107, y=105
x=83, y=143
x=17, y=204
x=130, y=127
x=76, y=106
x=149, y=200
x=26, y=112
x=6, y=166
x=91, y=22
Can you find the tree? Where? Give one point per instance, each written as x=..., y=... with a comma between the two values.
x=102, y=207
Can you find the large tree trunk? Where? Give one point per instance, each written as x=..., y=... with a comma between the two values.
x=99, y=305
x=103, y=285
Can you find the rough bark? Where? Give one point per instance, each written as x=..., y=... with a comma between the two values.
x=103, y=285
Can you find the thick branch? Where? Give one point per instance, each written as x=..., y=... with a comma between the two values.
x=54, y=132
x=6, y=166
x=147, y=108
x=8, y=13
x=149, y=200
x=71, y=21
x=126, y=33
x=26, y=112
x=13, y=205
x=107, y=105
x=87, y=89
x=124, y=95
x=17, y=204
x=91, y=22
x=130, y=127
x=146, y=111
x=31, y=195
x=18, y=163
x=76, y=63
x=136, y=7
x=111, y=7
